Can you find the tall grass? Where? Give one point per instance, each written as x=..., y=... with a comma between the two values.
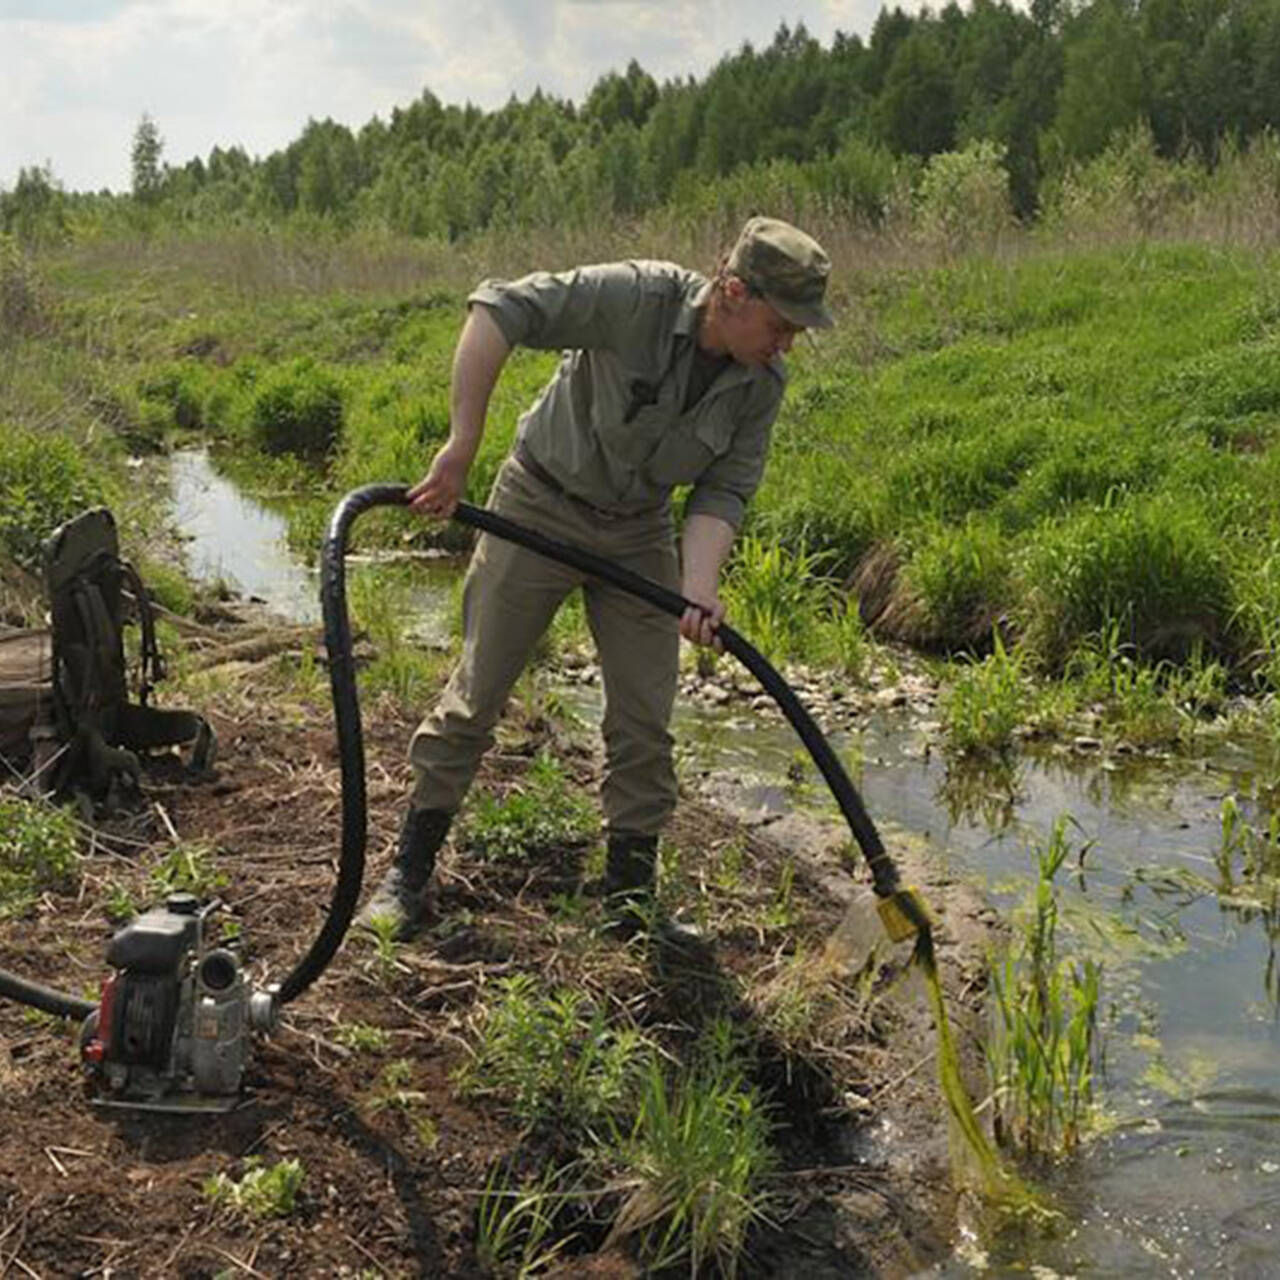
x=785, y=602
x=1153, y=569
x=1044, y=1050
x=699, y=1145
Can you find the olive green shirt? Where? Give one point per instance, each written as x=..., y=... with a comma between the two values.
x=611, y=426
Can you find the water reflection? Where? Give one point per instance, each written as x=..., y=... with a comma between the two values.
x=984, y=792
x=233, y=539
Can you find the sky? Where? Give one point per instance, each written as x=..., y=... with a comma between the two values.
x=76, y=76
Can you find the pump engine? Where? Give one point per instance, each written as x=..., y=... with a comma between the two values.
x=172, y=1030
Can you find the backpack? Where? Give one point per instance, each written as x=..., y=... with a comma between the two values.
x=98, y=726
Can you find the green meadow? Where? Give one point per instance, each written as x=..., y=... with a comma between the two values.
x=1049, y=449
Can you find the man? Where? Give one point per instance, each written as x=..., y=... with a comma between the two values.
x=667, y=379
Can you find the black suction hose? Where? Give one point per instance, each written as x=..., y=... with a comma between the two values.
x=883, y=873
x=58, y=1003
x=346, y=717
x=346, y=707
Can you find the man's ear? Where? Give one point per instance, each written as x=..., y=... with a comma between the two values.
x=735, y=289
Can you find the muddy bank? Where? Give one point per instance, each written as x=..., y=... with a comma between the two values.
x=862, y=1184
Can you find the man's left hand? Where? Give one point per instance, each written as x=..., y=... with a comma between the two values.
x=698, y=623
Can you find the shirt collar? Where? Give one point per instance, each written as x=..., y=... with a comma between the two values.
x=691, y=308
x=695, y=301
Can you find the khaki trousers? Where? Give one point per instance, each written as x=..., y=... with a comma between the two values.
x=509, y=598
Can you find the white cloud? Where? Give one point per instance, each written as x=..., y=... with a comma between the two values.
x=77, y=75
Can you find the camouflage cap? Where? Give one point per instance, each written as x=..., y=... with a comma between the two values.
x=786, y=267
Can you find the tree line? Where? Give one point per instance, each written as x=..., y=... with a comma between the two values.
x=1047, y=87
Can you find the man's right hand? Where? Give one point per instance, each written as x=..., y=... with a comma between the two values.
x=438, y=492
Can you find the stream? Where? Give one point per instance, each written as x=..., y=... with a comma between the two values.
x=1186, y=1180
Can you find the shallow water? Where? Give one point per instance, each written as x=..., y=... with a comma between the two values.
x=1188, y=1182
x=238, y=540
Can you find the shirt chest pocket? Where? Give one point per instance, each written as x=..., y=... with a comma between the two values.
x=685, y=451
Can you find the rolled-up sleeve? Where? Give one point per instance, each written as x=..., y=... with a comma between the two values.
x=587, y=307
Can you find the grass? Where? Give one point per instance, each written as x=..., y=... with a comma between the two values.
x=693, y=1142
x=1063, y=439
x=543, y=811
x=1044, y=1051
x=38, y=851
x=699, y=1146
x=263, y=1191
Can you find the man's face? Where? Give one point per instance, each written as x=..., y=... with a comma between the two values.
x=754, y=331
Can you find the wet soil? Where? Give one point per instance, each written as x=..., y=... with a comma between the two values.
x=863, y=1180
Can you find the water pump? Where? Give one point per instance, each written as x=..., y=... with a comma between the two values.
x=172, y=1031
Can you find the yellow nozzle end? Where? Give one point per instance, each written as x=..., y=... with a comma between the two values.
x=903, y=914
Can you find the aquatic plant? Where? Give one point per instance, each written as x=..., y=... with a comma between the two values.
x=986, y=702
x=1044, y=1049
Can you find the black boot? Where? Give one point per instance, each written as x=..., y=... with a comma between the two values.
x=630, y=876
x=402, y=896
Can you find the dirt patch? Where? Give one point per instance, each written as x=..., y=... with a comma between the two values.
x=862, y=1184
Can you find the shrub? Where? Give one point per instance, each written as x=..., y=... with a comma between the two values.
x=44, y=481
x=297, y=409
x=178, y=388
x=1128, y=188
x=963, y=198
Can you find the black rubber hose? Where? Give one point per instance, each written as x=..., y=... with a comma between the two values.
x=346, y=707
x=58, y=1003
x=884, y=874
x=346, y=716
